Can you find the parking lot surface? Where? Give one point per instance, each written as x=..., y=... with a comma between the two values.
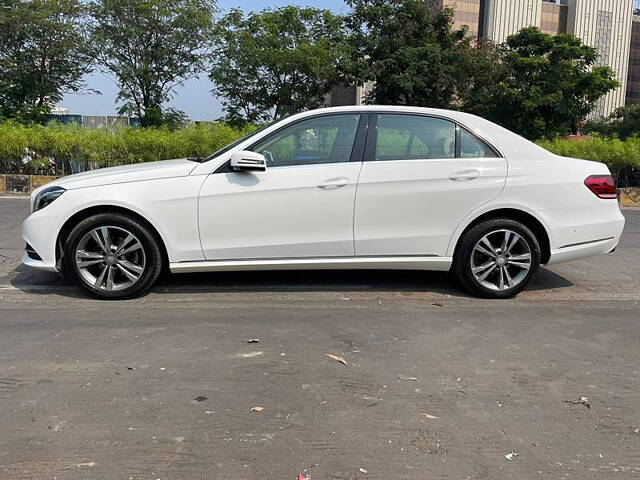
x=436, y=384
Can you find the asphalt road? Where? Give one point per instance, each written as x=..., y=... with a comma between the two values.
x=162, y=387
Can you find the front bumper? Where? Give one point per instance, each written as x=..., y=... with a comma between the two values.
x=40, y=231
x=38, y=264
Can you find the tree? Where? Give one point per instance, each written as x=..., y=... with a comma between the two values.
x=623, y=123
x=43, y=55
x=151, y=47
x=275, y=63
x=483, y=70
x=550, y=84
x=409, y=50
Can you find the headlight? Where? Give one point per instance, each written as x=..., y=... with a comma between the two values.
x=47, y=196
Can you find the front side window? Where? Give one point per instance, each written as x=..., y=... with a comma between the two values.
x=413, y=137
x=325, y=139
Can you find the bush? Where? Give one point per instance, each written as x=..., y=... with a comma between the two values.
x=623, y=123
x=77, y=148
x=622, y=157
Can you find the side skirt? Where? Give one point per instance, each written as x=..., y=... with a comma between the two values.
x=442, y=264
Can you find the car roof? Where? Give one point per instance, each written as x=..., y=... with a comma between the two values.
x=389, y=108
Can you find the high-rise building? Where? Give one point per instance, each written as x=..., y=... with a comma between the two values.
x=604, y=24
x=633, y=79
x=467, y=12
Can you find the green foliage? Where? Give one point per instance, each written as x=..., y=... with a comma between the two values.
x=550, y=85
x=617, y=154
x=43, y=55
x=77, y=146
x=151, y=47
x=410, y=51
x=275, y=63
x=535, y=84
x=623, y=123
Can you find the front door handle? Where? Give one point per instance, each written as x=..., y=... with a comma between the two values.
x=465, y=175
x=334, y=183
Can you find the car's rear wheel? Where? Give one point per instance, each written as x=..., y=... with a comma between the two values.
x=497, y=258
x=112, y=256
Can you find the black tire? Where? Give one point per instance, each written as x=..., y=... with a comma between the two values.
x=462, y=267
x=151, y=250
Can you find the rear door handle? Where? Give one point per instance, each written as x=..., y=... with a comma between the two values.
x=465, y=175
x=334, y=183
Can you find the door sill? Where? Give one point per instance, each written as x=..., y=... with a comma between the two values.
x=434, y=263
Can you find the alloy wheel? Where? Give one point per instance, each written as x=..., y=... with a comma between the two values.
x=110, y=258
x=501, y=260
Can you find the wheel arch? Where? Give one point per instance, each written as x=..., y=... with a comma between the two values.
x=526, y=218
x=79, y=216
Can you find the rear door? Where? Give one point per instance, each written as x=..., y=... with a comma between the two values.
x=422, y=175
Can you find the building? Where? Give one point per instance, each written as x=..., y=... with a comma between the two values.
x=347, y=95
x=497, y=19
x=467, y=12
x=633, y=78
x=58, y=110
x=92, y=122
x=604, y=24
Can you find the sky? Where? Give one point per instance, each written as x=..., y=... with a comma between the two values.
x=195, y=98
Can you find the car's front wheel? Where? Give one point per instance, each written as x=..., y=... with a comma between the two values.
x=497, y=258
x=112, y=256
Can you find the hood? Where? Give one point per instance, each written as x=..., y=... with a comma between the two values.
x=126, y=173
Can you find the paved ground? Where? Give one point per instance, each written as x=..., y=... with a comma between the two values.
x=162, y=387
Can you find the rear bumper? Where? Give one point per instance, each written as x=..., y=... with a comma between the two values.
x=590, y=249
x=584, y=232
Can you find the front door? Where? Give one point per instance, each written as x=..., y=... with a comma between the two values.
x=301, y=207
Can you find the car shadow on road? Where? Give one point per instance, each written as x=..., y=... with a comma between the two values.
x=402, y=281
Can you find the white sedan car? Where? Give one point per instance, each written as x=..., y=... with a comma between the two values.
x=338, y=188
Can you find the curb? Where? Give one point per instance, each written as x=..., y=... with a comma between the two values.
x=629, y=197
x=14, y=184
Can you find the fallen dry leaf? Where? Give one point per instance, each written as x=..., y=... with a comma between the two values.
x=257, y=409
x=336, y=358
x=583, y=401
x=431, y=417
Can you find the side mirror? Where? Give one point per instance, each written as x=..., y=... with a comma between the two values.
x=246, y=161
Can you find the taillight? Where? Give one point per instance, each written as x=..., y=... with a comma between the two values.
x=602, y=185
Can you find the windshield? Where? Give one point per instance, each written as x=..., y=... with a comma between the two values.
x=237, y=142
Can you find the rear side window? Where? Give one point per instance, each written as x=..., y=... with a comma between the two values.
x=417, y=137
x=412, y=137
x=473, y=147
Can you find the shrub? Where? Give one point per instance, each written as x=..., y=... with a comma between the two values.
x=76, y=148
